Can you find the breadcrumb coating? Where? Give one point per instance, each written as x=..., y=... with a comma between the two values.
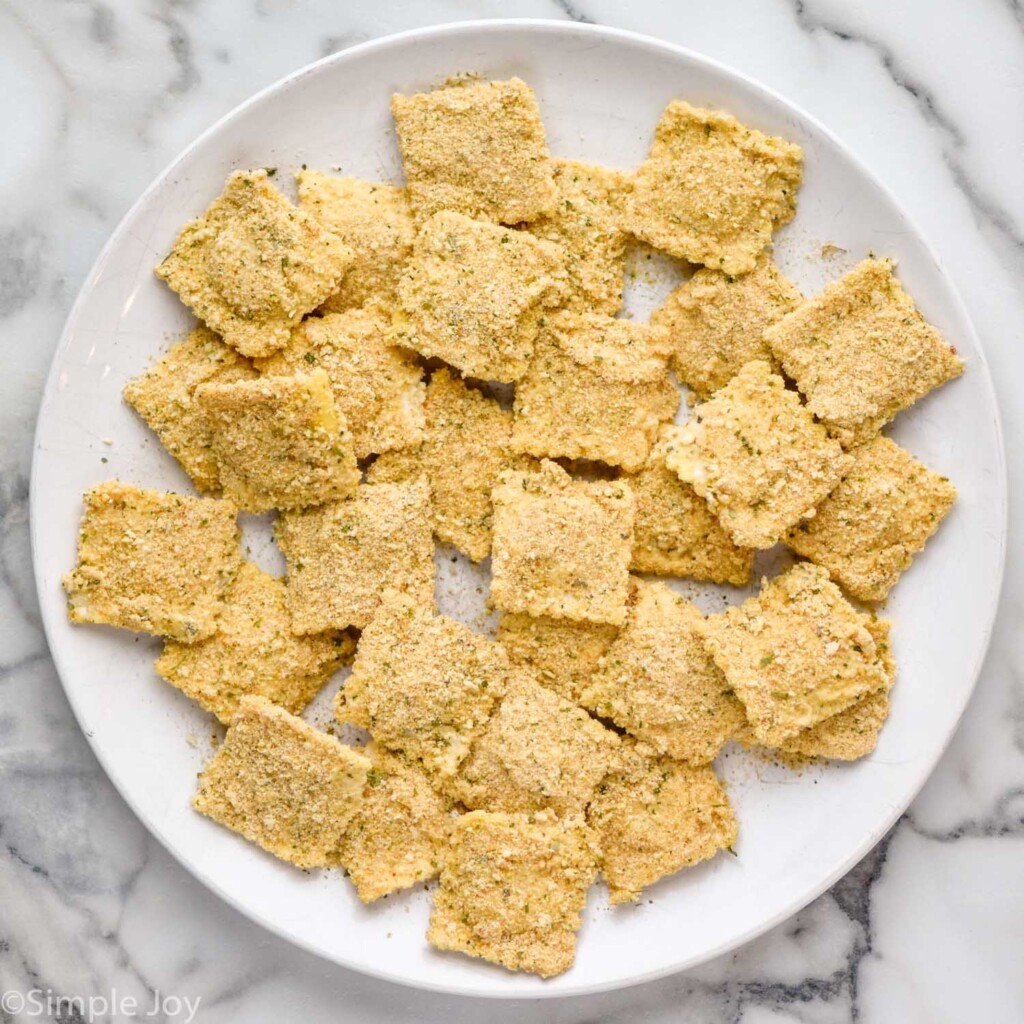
x=711, y=191
x=254, y=652
x=861, y=352
x=597, y=388
x=164, y=396
x=513, y=888
x=253, y=265
x=341, y=556
x=757, y=456
x=474, y=293
x=477, y=148
x=280, y=442
x=561, y=546
x=153, y=562
x=282, y=784
x=868, y=530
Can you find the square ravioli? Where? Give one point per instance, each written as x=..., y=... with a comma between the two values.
x=716, y=322
x=861, y=351
x=467, y=445
x=280, y=442
x=560, y=654
x=253, y=265
x=675, y=531
x=597, y=388
x=711, y=191
x=377, y=386
x=586, y=222
x=477, y=148
x=254, y=652
x=473, y=295
x=423, y=684
x=341, y=556
x=797, y=653
x=850, y=735
x=282, y=784
x=164, y=396
x=757, y=456
x=537, y=751
x=561, y=546
x=374, y=220
x=655, y=816
x=153, y=562
x=868, y=530
x=513, y=888
x=399, y=830
x=658, y=682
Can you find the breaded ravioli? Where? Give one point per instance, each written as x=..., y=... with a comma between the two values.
x=797, y=653
x=424, y=685
x=153, y=562
x=716, y=322
x=861, y=351
x=341, y=556
x=586, y=221
x=850, y=735
x=597, y=388
x=474, y=293
x=280, y=442
x=757, y=456
x=561, y=546
x=868, y=530
x=377, y=386
x=282, y=784
x=658, y=682
x=513, y=888
x=164, y=396
x=254, y=652
x=711, y=191
x=537, y=750
x=374, y=220
x=675, y=532
x=655, y=816
x=253, y=265
x=477, y=148
x=399, y=830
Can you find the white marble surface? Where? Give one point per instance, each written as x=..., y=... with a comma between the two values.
x=95, y=97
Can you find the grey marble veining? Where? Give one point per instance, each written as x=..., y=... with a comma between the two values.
x=95, y=98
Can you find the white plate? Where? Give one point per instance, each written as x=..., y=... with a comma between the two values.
x=601, y=92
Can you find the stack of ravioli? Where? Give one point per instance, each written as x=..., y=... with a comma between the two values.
x=343, y=376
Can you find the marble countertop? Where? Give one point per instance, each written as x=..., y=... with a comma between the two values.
x=96, y=97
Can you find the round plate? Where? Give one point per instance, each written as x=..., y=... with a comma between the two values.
x=601, y=92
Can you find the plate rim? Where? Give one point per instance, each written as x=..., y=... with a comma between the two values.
x=497, y=25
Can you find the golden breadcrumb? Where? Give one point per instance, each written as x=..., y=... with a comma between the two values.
x=861, y=351
x=561, y=546
x=280, y=442
x=513, y=888
x=716, y=322
x=797, y=653
x=164, y=396
x=477, y=148
x=254, y=652
x=757, y=456
x=253, y=265
x=868, y=530
x=423, y=684
x=281, y=784
x=377, y=387
x=474, y=292
x=154, y=562
x=658, y=682
x=711, y=191
x=655, y=816
x=597, y=388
